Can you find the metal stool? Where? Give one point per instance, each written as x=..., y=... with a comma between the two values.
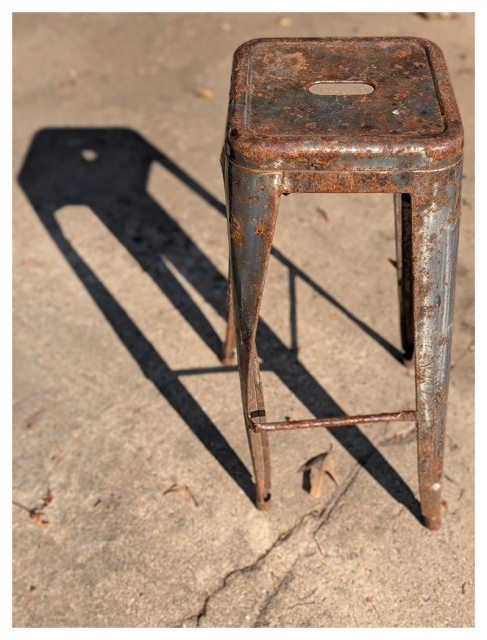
x=348, y=115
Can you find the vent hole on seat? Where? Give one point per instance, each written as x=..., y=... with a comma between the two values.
x=341, y=88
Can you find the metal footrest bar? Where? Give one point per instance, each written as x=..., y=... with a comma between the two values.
x=344, y=421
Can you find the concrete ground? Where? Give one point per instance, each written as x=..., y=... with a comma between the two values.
x=121, y=407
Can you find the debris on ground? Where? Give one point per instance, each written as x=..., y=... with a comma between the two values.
x=323, y=214
x=318, y=466
x=204, y=93
x=183, y=491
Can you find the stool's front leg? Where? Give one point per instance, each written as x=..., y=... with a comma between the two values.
x=252, y=204
x=435, y=225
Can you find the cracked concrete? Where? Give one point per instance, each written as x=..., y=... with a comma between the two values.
x=119, y=276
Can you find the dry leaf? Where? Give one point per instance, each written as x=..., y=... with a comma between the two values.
x=442, y=14
x=318, y=466
x=204, y=93
x=36, y=517
x=324, y=214
x=404, y=434
x=41, y=285
x=183, y=491
x=49, y=497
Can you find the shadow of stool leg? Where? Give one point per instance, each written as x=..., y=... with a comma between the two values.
x=435, y=227
x=252, y=204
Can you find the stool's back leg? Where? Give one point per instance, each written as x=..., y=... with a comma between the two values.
x=435, y=224
x=252, y=203
x=402, y=216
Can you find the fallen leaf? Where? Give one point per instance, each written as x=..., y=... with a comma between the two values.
x=441, y=14
x=49, y=497
x=274, y=583
x=324, y=214
x=404, y=434
x=36, y=517
x=41, y=285
x=183, y=491
x=300, y=604
x=318, y=466
x=204, y=93
x=193, y=556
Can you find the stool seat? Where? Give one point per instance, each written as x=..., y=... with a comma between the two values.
x=348, y=115
x=408, y=120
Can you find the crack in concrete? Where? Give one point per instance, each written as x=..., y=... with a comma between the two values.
x=326, y=512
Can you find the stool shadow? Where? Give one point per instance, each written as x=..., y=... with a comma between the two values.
x=56, y=174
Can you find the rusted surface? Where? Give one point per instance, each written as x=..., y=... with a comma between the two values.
x=343, y=421
x=410, y=121
x=404, y=138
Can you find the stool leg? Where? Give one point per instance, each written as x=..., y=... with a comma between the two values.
x=435, y=226
x=402, y=215
x=229, y=346
x=252, y=203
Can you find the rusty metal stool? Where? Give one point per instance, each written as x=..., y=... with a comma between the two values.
x=348, y=115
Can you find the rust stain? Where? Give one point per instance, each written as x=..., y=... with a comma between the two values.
x=237, y=233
